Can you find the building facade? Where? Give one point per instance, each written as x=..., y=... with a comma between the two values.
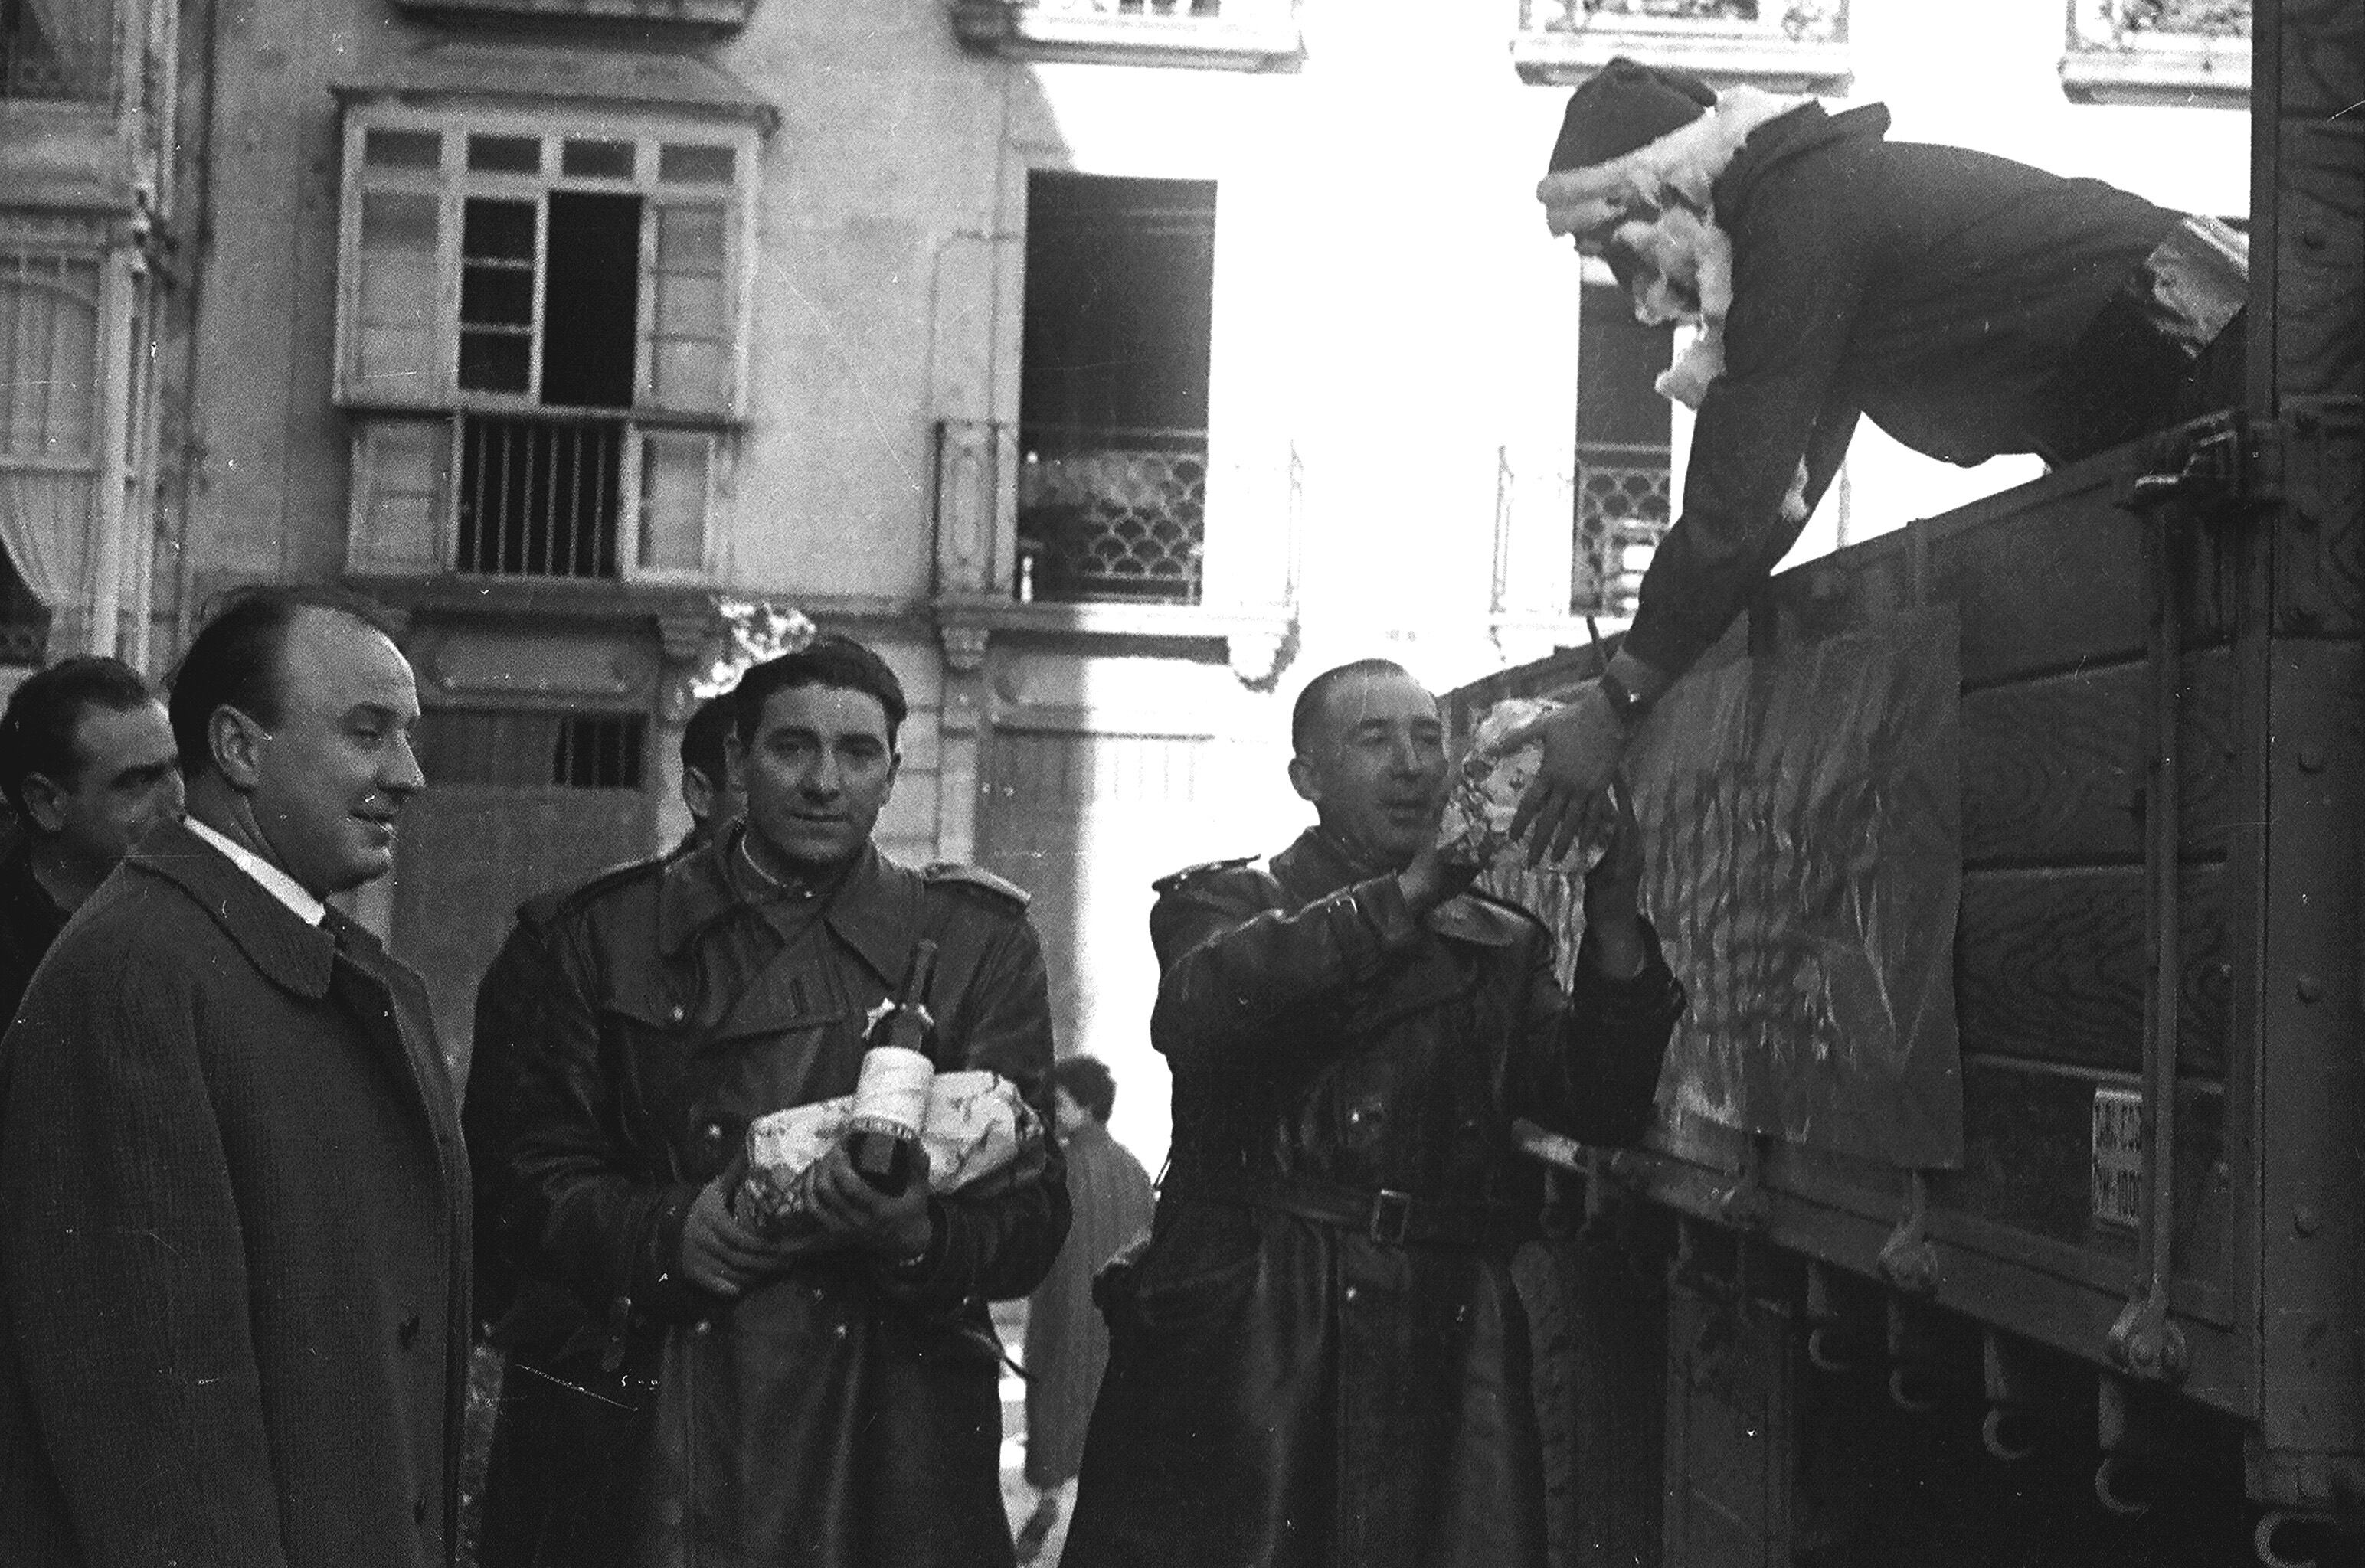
x=1110, y=364
x=94, y=301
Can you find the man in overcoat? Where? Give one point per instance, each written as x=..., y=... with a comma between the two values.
x=1320, y=1360
x=233, y=1206
x=1967, y=304
x=831, y=1400
x=87, y=764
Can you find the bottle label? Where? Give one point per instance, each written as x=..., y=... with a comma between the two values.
x=891, y=1096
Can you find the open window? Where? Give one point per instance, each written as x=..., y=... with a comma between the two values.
x=1112, y=403
x=543, y=340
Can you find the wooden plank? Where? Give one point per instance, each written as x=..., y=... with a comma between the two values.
x=471, y=853
x=2052, y=966
x=2026, y=1163
x=2053, y=767
x=2051, y=576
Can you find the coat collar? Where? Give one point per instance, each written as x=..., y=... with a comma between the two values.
x=1319, y=865
x=873, y=910
x=290, y=953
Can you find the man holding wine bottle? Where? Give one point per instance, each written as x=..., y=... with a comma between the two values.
x=828, y=1396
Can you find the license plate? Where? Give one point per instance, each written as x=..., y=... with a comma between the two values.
x=2118, y=1155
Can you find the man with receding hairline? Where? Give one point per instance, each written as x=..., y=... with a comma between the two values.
x=233, y=1208
x=1319, y=1358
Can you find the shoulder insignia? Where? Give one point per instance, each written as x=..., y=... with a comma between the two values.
x=548, y=905
x=1168, y=884
x=977, y=877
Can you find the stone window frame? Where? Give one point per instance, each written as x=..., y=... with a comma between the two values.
x=2114, y=57
x=1804, y=50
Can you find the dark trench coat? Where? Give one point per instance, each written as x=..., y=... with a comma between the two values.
x=843, y=1416
x=1287, y=1391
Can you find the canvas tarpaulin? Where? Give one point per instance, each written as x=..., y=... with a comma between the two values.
x=1801, y=814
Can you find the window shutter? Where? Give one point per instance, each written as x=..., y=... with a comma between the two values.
x=397, y=253
x=402, y=479
x=674, y=501
x=686, y=339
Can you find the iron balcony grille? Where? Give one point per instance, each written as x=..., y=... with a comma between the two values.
x=1111, y=514
x=539, y=498
x=1623, y=507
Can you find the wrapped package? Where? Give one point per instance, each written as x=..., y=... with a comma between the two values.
x=1476, y=827
x=980, y=1132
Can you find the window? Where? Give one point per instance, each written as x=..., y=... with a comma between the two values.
x=1795, y=46
x=50, y=418
x=570, y=301
x=57, y=50
x=1113, y=406
x=1623, y=455
x=24, y=619
x=534, y=751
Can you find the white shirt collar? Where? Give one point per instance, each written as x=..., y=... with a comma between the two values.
x=275, y=882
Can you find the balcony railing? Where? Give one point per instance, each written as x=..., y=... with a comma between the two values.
x=1215, y=35
x=57, y=50
x=1624, y=508
x=539, y=498
x=1122, y=533
x=1791, y=46
x=2159, y=51
x=1111, y=515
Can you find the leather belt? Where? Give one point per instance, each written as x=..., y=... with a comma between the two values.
x=1387, y=1216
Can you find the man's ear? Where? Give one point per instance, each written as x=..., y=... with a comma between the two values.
x=698, y=793
x=1306, y=780
x=45, y=802
x=236, y=742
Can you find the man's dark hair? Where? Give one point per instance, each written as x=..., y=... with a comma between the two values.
x=234, y=661
x=1088, y=1083
x=828, y=660
x=37, y=732
x=702, y=738
x=1313, y=703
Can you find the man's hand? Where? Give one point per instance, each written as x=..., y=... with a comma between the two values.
x=854, y=1211
x=1613, y=889
x=719, y=1254
x=1581, y=746
x=1431, y=879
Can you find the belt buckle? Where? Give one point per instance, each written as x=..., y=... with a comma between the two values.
x=1391, y=1215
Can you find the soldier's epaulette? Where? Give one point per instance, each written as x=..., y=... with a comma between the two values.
x=545, y=907
x=1168, y=884
x=968, y=876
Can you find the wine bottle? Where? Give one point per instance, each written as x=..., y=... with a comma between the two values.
x=890, y=1100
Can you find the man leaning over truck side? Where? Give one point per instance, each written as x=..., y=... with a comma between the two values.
x=1969, y=304
x=1319, y=1358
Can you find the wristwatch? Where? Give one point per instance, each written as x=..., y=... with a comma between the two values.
x=1625, y=704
